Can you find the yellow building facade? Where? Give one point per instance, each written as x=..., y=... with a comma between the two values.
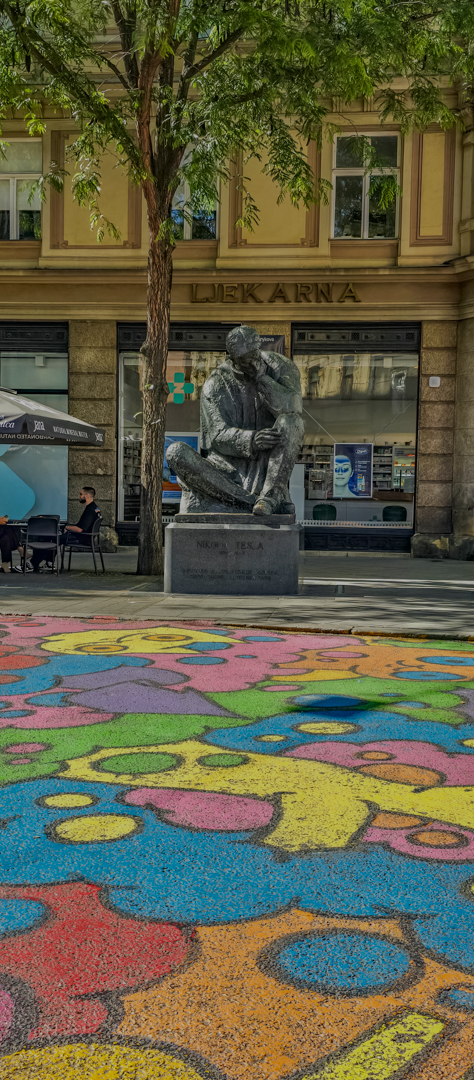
x=376, y=308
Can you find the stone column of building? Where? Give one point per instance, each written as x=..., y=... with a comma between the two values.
x=435, y=446
x=93, y=397
x=462, y=546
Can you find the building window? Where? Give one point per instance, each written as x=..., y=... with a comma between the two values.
x=356, y=214
x=202, y=225
x=20, y=210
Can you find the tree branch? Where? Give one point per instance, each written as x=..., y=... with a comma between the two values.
x=115, y=69
x=218, y=51
x=76, y=84
x=188, y=61
x=125, y=26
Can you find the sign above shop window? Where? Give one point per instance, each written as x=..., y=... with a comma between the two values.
x=316, y=292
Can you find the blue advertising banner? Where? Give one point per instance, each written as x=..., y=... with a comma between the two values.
x=353, y=470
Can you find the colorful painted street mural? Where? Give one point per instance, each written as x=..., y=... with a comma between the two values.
x=234, y=854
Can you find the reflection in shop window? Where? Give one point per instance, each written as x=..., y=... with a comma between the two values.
x=33, y=479
x=186, y=373
x=360, y=398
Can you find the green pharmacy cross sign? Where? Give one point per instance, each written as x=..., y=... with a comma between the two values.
x=179, y=388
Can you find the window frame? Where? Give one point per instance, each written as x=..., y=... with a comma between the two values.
x=13, y=177
x=188, y=225
x=366, y=176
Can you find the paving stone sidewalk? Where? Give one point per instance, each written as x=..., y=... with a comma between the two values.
x=374, y=594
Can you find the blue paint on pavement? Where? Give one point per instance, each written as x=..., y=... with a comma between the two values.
x=374, y=726
x=343, y=962
x=33, y=680
x=227, y=876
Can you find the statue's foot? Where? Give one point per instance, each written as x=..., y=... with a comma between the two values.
x=287, y=508
x=263, y=507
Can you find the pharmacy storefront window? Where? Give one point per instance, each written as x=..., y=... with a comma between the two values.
x=34, y=479
x=360, y=394
x=193, y=354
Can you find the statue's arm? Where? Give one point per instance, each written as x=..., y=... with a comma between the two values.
x=233, y=442
x=280, y=385
x=221, y=432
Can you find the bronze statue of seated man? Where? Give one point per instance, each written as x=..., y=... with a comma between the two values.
x=251, y=433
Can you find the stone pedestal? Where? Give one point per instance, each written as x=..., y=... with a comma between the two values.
x=232, y=555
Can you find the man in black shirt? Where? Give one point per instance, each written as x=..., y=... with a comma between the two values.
x=72, y=533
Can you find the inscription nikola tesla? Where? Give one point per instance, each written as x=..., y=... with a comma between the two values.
x=216, y=545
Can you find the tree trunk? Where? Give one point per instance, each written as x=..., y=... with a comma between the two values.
x=155, y=394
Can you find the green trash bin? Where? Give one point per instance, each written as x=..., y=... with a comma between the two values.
x=394, y=513
x=324, y=512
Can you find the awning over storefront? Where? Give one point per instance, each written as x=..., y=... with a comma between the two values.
x=26, y=421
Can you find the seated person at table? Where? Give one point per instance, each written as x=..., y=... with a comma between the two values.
x=10, y=541
x=74, y=534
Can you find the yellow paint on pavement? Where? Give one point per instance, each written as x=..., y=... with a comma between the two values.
x=95, y=828
x=68, y=801
x=326, y=727
x=380, y=1056
x=323, y=806
x=80, y=1061
x=161, y=639
x=320, y=675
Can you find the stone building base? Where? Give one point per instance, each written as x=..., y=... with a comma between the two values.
x=426, y=546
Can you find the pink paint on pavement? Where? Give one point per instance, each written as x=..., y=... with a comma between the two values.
x=204, y=810
x=401, y=840
x=24, y=747
x=280, y=688
x=45, y=717
x=334, y=654
x=234, y=673
x=336, y=753
x=7, y=1009
x=457, y=768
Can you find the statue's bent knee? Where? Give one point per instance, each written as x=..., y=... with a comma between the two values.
x=180, y=454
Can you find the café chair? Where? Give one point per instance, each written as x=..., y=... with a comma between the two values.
x=94, y=547
x=42, y=534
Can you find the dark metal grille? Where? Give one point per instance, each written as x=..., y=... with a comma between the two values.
x=358, y=337
x=34, y=337
x=204, y=337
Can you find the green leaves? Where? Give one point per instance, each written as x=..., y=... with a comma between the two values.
x=147, y=79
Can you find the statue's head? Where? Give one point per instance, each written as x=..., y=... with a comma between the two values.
x=242, y=344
